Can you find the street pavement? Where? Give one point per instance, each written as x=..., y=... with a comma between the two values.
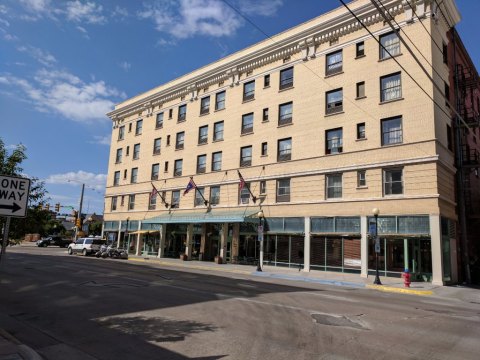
x=12, y=349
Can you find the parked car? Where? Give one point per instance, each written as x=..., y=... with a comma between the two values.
x=86, y=246
x=53, y=240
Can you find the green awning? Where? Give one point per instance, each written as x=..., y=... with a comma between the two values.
x=213, y=216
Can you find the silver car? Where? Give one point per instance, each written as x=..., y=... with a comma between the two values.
x=86, y=246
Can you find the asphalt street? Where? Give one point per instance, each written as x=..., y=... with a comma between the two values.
x=75, y=307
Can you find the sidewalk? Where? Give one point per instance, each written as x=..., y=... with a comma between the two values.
x=12, y=349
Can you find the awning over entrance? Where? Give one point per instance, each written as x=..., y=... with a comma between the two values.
x=177, y=217
x=142, y=232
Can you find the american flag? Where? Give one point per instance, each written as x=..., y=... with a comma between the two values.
x=191, y=185
x=242, y=181
x=154, y=192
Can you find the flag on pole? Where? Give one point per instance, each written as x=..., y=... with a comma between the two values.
x=242, y=181
x=154, y=192
x=191, y=185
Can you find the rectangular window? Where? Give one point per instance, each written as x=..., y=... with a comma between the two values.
x=175, y=203
x=199, y=195
x=201, y=164
x=128, y=151
x=445, y=53
x=121, y=132
x=182, y=113
x=134, y=176
x=130, y=127
x=113, y=204
x=139, y=127
x=246, y=156
x=361, y=178
x=125, y=174
x=205, y=105
x=177, y=171
x=390, y=87
x=215, y=195
x=168, y=140
x=118, y=157
x=361, y=131
x=136, y=151
x=334, y=101
x=447, y=93
x=179, y=144
x=165, y=168
x=393, y=181
x=170, y=113
x=218, y=131
x=131, y=202
x=264, y=149
x=389, y=45
x=203, y=134
x=283, y=190
x=217, y=161
x=360, y=90
x=266, y=81
x=247, y=123
x=244, y=194
x=220, y=101
x=265, y=114
x=159, y=121
x=157, y=143
x=152, y=202
x=334, y=63
x=334, y=143
x=392, y=131
x=449, y=138
x=116, y=178
x=360, y=47
x=263, y=187
x=284, y=152
x=122, y=201
x=285, y=113
x=286, y=78
x=155, y=171
x=334, y=186
x=249, y=90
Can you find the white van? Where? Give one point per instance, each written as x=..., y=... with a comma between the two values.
x=86, y=246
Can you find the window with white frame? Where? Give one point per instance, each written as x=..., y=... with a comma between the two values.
x=390, y=87
x=393, y=181
x=390, y=45
x=334, y=101
x=392, y=132
x=334, y=186
x=244, y=194
x=361, y=178
x=175, y=203
x=214, y=195
x=334, y=141
x=283, y=190
x=334, y=63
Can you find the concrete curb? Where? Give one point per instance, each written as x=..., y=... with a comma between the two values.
x=399, y=290
x=310, y=280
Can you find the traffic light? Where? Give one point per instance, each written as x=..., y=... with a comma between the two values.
x=57, y=207
x=47, y=207
x=78, y=223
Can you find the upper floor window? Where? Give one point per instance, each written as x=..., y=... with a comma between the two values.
x=170, y=113
x=393, y=181
x=220, y=100
x=179, y=144
x=177, y=171
x=360, y=49
x=130, y=127
x=361, y=178
x=157, y=145
x=131, y=202
x=205, y=105
x=175, y=203
x=217, y=161
x=392, y=131
x=285, y=113
x=264, y=149
x=128, y=151
x=134, y=176
x=334, y=186
x=244, y=194
x=165, y=167
x=246, y=156
x=155, y=171
x=449, y=138
x=361, y=131
x=266, y=81
x=249, y=90
x=113, y=205
x=389, y=45
x=265, y=114
x=334, y=63
x=136, y=151
x=215, y=195
x=218, y=131
x=116, y=178
x=121, y=132
x=283, y=190
x=286, y=78
x=139, y=127
x=284, y=149
x=152, y=202
x=334, y=101
x=201, y=164
x=445, y=53
x=390, y=87
x=203, y=134
x=334, y=143
x=125, y=174
x=447, y=94
x=118, y=157
x=199, y=196
x=263, y=187
x=247, y=123
x=159, y=121
x=360, y=90
x=182, y=113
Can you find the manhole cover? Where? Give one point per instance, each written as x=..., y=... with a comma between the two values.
x=335, y=320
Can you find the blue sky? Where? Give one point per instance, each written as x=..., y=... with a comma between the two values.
x=64, y=64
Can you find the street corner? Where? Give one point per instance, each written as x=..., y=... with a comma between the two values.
x=393, y=289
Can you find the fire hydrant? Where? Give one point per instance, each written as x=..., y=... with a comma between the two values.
x=406, y=278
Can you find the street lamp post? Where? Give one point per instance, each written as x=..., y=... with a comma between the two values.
x=260, y=239
x=377, y=247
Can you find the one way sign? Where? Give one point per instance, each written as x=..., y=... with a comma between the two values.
x=14, y=196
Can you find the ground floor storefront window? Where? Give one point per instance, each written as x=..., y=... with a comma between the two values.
x=329, y=253
x=175, y=240
x=284, y=250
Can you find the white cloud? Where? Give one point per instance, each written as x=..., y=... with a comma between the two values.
x=101, y=140
x=65, y=94
x=35, y=6
x=260, y=7
x=93, y=181
x=193, y=17
x=88, y=12
x=3, y=9
x=4, y=23
x=125, y=65
x=42, y=56
x=120, y=12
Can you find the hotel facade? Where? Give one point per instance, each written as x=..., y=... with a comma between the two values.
x=286, y=148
